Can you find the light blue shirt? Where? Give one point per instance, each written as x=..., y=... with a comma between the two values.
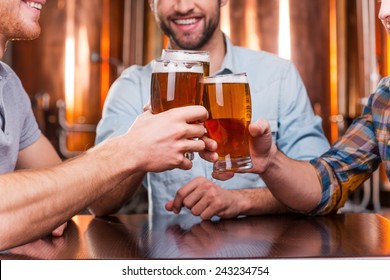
x=277, y=94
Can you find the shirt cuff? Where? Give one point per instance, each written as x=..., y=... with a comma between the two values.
x=329, y=184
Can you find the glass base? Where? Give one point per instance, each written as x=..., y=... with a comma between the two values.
x=233, y=164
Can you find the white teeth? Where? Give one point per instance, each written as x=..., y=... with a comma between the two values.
x=186, y=21
x=35, y=5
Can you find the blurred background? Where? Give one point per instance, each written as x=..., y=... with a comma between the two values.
x=338, y=46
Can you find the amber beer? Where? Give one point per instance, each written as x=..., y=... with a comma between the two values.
x=189, y=55
x=175, y=84
x=228, y=101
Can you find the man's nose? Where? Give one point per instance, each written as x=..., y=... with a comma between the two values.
x=384, y=12
x=184, y=6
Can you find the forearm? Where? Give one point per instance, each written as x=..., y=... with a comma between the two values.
x=113, y=200
x=32, y=203
x=259, y=201
x=294, y=183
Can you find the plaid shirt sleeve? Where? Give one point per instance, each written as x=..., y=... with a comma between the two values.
x=354, y=157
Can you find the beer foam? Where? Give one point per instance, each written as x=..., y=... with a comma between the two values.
x=225, y=79
x=185, y=55
x=169, y=66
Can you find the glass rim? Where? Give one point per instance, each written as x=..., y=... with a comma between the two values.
x=182, y=50
x=179, y=66
x=193, y=55
x=226, y=78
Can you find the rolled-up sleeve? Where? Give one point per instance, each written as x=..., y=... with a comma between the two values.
x=349, y=162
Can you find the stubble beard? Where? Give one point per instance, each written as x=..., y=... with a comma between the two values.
x=188, y=43
x=20, y=31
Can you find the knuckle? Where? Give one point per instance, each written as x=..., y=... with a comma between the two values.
x=180, y=194
x=213, y=194
x=209, y=184
x=205, y=216
x=200, y=145
x=187, y=204
x=195, y=212
x=187, y=165
x=218, y=204
x=180, y=159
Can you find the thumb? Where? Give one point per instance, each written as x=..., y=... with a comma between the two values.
x=259, y=128
x=261, y=141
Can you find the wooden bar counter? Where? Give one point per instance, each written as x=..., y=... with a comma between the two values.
x=351, y=235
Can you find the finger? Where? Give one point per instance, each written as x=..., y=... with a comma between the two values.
x=209, y=156
x=181, y=194
x=210, y=144
x=59, y=230
x=195, y=199
x=169, y=206
x=147, y=106
x=209, y=153
x=186, y=163
x=193, y=145
x=195, y=130
x=192, y=114
x=222, y=176
x=199, y=206
x=208, y=213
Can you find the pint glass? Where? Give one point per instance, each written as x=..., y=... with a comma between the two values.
x=228, y=101
x=175, y=84
x=189, y=55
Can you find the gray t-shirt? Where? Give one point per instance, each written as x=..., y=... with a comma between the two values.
x=18, y=126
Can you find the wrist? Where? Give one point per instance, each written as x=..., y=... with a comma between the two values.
x=113, y=156
x=244, y=204
x=271, y=162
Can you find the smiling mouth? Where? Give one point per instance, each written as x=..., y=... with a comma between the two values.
x=187, y=21
x=34, y=5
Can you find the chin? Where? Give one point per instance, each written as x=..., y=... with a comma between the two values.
x=188, y=44
x=25, y=31
x=31, y=33
x=34, y=35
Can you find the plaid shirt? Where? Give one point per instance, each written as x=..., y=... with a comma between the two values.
x=357, y=154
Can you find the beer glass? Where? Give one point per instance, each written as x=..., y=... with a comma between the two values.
x=189, y=55
x=228, y=101
x=175, y=84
